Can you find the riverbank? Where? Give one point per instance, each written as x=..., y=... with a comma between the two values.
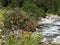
x=47, y=26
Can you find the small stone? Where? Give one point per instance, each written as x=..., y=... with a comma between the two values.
x=59, y=29
x=0, y=40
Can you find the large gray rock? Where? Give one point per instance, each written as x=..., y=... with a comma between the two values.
x=56, y=40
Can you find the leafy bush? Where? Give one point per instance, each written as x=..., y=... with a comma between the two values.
x=11, y=3
x=15, y=20
x=26, y=40
x=30, y=7
x=5, y=3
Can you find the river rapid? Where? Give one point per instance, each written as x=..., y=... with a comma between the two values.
x=50, y=28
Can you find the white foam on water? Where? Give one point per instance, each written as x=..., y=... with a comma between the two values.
x=51, y=30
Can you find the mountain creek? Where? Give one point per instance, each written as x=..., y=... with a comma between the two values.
x=50, y=28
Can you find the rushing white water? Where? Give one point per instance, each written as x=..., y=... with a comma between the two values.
x=50, y=28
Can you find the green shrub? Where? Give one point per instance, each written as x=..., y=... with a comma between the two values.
x=28, y=39
x=15, y=20
x=30, y=7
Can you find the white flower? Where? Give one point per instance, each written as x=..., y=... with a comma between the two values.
x=0, y=30
x=4, y=41
x=11, y=21
x=1, y=22
x=3, y=36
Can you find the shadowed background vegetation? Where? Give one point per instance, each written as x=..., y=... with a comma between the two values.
x=29, y=8
x=34, y=7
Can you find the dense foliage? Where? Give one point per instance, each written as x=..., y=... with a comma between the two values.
x=20, y=20
x=15, y=20
x=28, y=39
x=34, y=6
